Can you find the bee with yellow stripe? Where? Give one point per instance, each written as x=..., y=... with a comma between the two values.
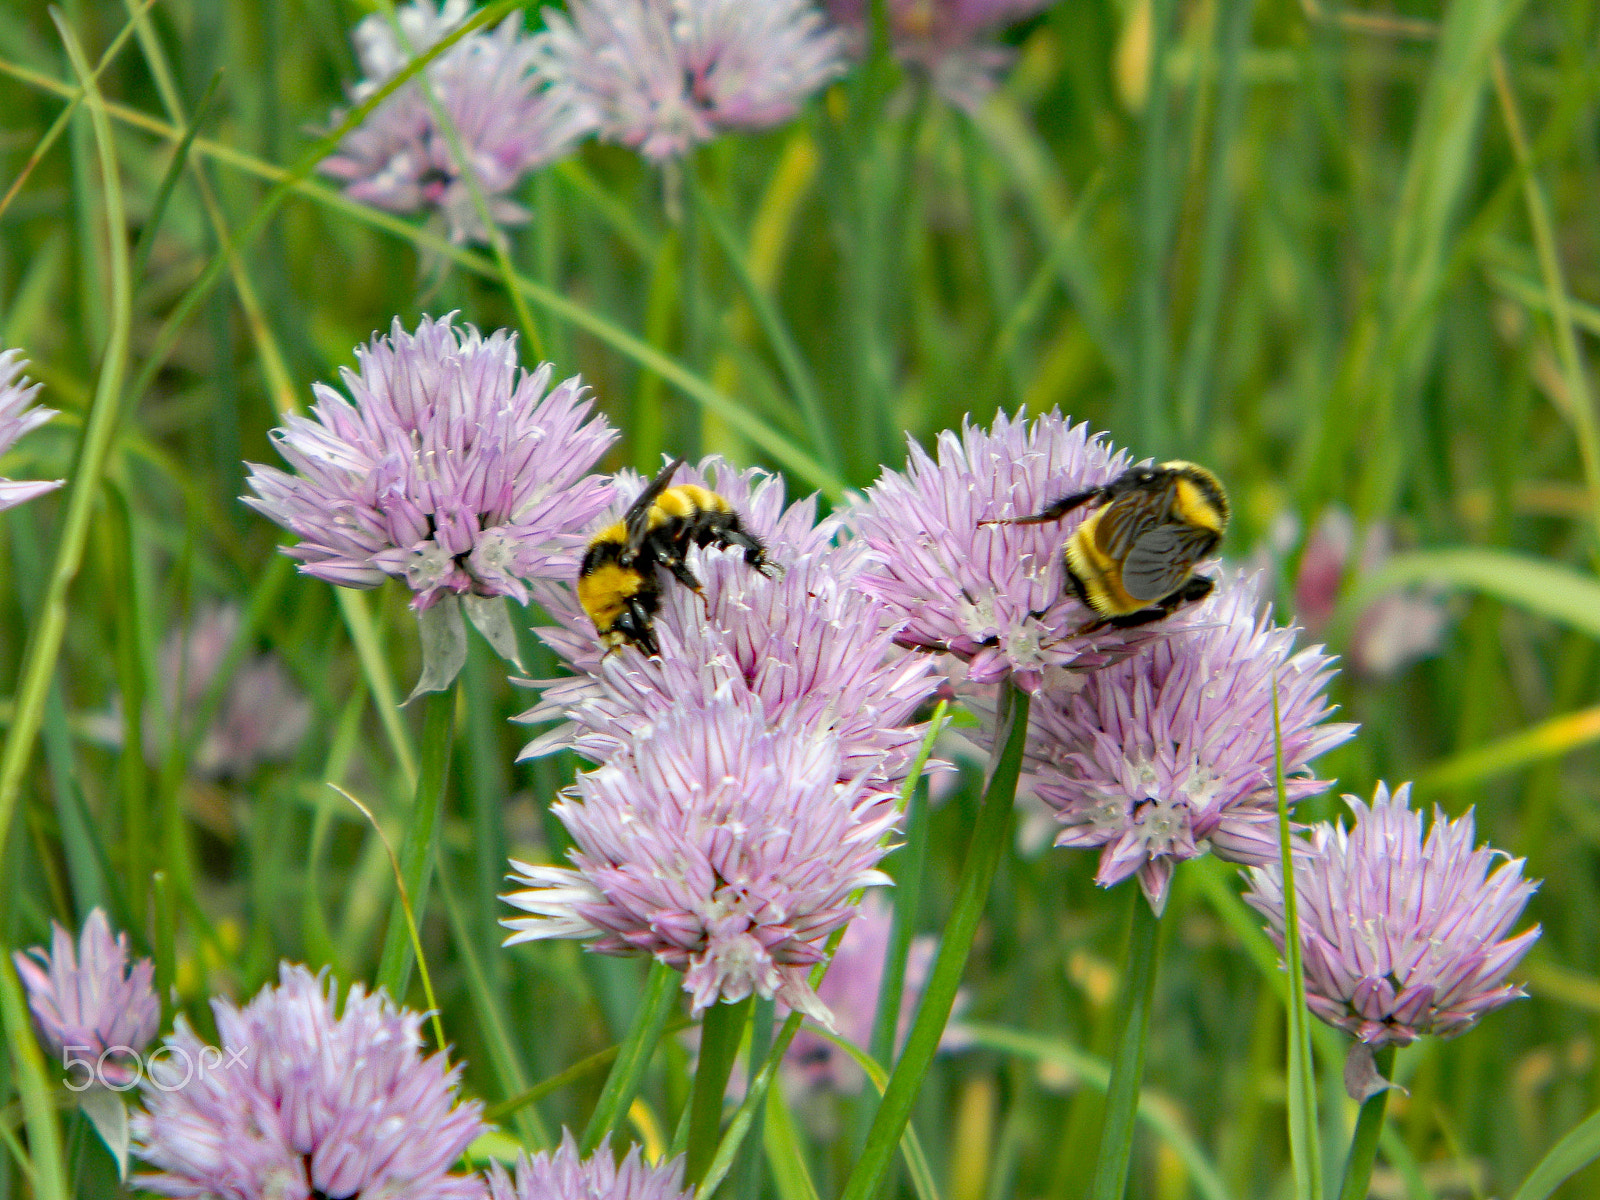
x=618, y=584
x=1131, y=560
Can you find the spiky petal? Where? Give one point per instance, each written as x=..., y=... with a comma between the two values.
x=993, y=595
x=88, y=1003
x=718, y=842
x=449, y=467
x=509, y=117
x=299, y=1102
x=662, y=76
x=1170, y=752
x=563, y=1174
x=804, y=643
x=1401, y=936
x=16, y=419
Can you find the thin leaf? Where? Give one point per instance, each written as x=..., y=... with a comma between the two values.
x=1569, y=1156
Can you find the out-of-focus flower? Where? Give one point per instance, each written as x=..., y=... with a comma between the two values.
x=453, y=470
x=807, y=644
x=16, y=419
x=262, y=716
x=662, y=76
x=509, y=117
x=563, y=1174
x=994, y=595
x=1394, y=629
x=300, y=1103
x=92, y=1006
x=850, y=989
x=1170, y=752
x=722, y=844
x=1401, y=936
x=950, y=40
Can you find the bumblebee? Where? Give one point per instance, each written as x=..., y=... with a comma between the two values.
x=618, y=584
x=1132, y=559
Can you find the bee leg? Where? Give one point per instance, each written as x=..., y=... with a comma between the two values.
x=1056, y=510
x=755, y=554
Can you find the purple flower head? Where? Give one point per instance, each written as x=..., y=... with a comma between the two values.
x=91, y=1005
x=850, y=989
x=16, y=419
x=1395, y=628
x=509, y=118
x=722, y=844
x=662, y=76
x=1170, y=752
x=263, y=715
x=449, y=468
x=805, y=644
x=994, y=595
x=300, y=1103
x=949, y=40
x=1401, y=936
x=563, y=1175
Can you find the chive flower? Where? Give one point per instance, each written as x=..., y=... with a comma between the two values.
x=89, y=1005
x=720, y=843
x=663, y=76
x=994, y=596
x=16, y=419
x=1169, y=753
x=563, y=1174
x=1401, y=935
x=301, y=1101
x=509, y=118
x=449, y=468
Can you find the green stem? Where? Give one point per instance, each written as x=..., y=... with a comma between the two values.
x=902, y=929
x=747, y=1175
x=39, y=662
x=421, y=840
x=622, y=1084
x=1127, y=1069
x=1155, y=221
x=720, y=1031
x=988, y=843
x=1369, y=1124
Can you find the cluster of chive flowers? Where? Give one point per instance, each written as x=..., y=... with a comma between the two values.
x=660, y=77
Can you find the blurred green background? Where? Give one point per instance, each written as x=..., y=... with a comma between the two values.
x=1343, y=256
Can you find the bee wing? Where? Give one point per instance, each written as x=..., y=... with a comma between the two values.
x=1161, y=559
x=637, y=519
x=1128, y=518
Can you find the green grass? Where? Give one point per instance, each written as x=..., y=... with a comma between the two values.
x=1340, y=256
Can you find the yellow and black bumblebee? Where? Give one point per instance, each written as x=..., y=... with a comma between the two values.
x=1132, y=560
x=618, y=584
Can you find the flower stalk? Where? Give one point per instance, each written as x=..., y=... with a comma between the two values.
x=1369, y=1124
x=988, y=843
x=421, y=840
x=633, y=1056
x=1127, y=1069
x=720, y=1031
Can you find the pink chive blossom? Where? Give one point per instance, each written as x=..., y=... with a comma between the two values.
x=950, y=41
x=262, y=715
x=300, y=1102
x=509, y=117
x=562, y=1174
x=89, y=1005
x=850, y=989
x=662, y=76
x=16, y=419
x=721, y=844
x=1401, y=936
x=448, y=467
x=1393, y=629
x=1169, y=753
x=994, y=596
x=805, y=642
